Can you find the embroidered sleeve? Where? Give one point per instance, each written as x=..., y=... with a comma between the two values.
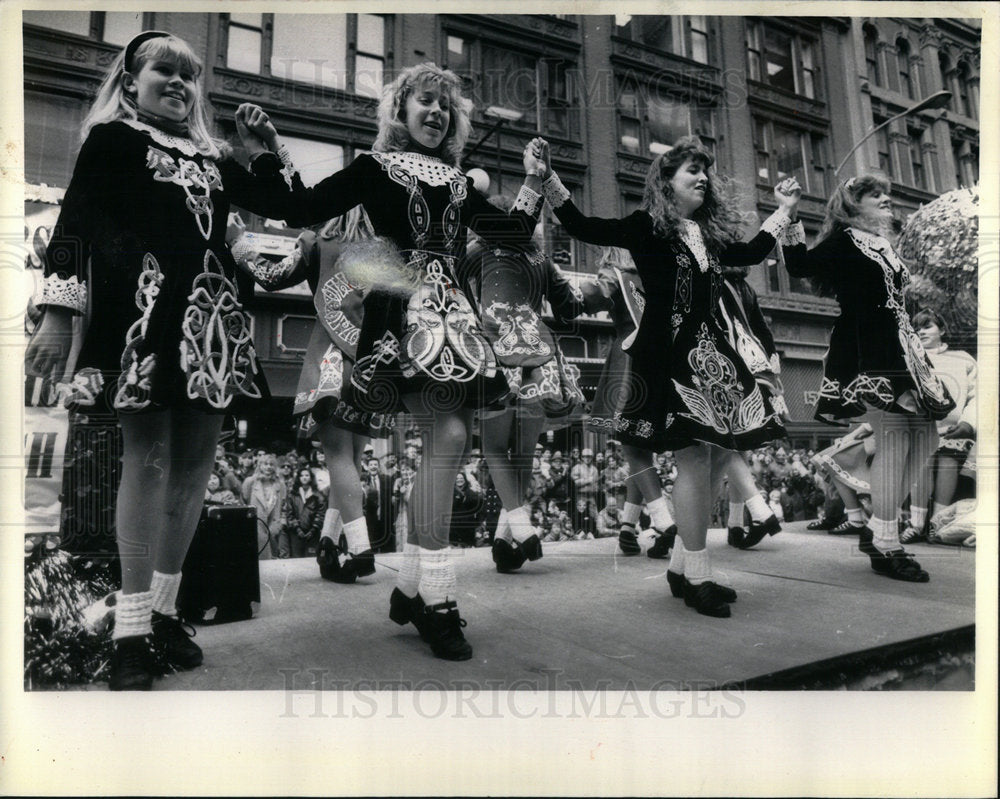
x=555, y=192
x=794, y=234
x=776, y=223
x=67, y=292
x=528, y=201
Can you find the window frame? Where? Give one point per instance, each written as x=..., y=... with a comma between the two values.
x=904, y=68
x=642, y=91
x=681, y=36
x=755, y=40
x=810, y=140
x=96, y=24
x=266, y=31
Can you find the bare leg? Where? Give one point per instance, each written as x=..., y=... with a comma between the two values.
x=642, y=477
x=141, y=503
x=340, y=448
x=888, y=473
x=496, y=443
x=693, y=507
x=193, y=438
x=945, y=480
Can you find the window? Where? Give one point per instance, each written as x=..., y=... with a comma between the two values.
x=782, y=151
x=337, y=51
x=945, y=64
x=113, y=27
x=871, y=55
x=884, y=150
x=781, y=59
x=905, y=77
x=682, y=35
x=542, y=90
x=962, y=81
x=313, y=159
x=914, y=141
x=957, y=154
x=649, y=122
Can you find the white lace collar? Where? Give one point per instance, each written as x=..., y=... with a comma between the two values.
x=691, y=236
x=428, y=169
x=186, y=146
x=877, y=248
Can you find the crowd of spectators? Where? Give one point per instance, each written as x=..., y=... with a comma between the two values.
x=578, y=494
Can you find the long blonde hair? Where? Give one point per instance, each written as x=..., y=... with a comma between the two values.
x=392, y=133
x=113, y=102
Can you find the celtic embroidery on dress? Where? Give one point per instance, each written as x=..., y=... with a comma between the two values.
x=518, y=332
x=443, y=339
x=134, y=381
x=331, y=373
x=197, y=181
x=216, y=352
x=717, y=401
x=332, y=294
x=384, y=351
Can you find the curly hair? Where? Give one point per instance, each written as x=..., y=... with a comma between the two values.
x=392, y=133
x=844, y=210
x=113, y=102
x=719, y=218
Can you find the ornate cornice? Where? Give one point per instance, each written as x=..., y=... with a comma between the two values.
x=665, y=70
x=794, y=107
x=930, y=35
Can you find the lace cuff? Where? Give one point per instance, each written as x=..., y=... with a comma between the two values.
x=528, y=201
x=243, y=250
x=67, y=292
x=776, y=223
x=554, y=191
x=794, y=234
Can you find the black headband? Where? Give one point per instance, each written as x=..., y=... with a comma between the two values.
x=133, y=45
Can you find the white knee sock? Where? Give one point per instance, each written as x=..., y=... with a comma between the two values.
x=408, y=579
x=519, y=520
x=759, y=511
x=885, y=534
x=856, y=516
x=331, y=525
x=133, y=615
x=735, y=514
x=659, y=514
x=437, y=576
x=677, y=557
x=631, y=513
x=697, y=569
x=503, y=526
x=918, y=516
x=164, y=590
x=357, y=536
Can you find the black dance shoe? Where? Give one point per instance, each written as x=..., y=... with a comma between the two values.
x=676, y=583
x=404, y=610
x=444, y=631
x=821, y=524
x=897, y=564
x=360, y=565
x=663, y=544
x=758, y=530
x=172, y=644
x=531, y=547
x=132, y=666
x=507, y=556
x=707, y=599
x=327, y=556
x=737, y=537
x=628, y=542
x=845, y=528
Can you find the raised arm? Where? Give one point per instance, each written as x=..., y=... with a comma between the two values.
x=747, y=253
x=592, y=229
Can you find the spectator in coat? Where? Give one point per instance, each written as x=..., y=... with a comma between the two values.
x=304, y=512
x=264, y=491
x=377, y=507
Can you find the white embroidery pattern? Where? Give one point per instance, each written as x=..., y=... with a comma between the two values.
x=67, y=292
x=188, y=174
x=518, y=332
x=333, y=292
x=331, y=373
x=384, y=350
x=794, y=234
x=528, y=201
x=867, y=389
x=555, y=192
x=443, y=339
x=134, y=381
x=216, y=352
x=776, y=224
x=691, y=236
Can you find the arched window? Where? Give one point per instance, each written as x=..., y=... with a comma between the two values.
x=945, y=64
x=905, y=78
x=871, y=55
x=964, y=101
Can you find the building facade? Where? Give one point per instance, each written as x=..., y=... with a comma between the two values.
x=772, y=96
